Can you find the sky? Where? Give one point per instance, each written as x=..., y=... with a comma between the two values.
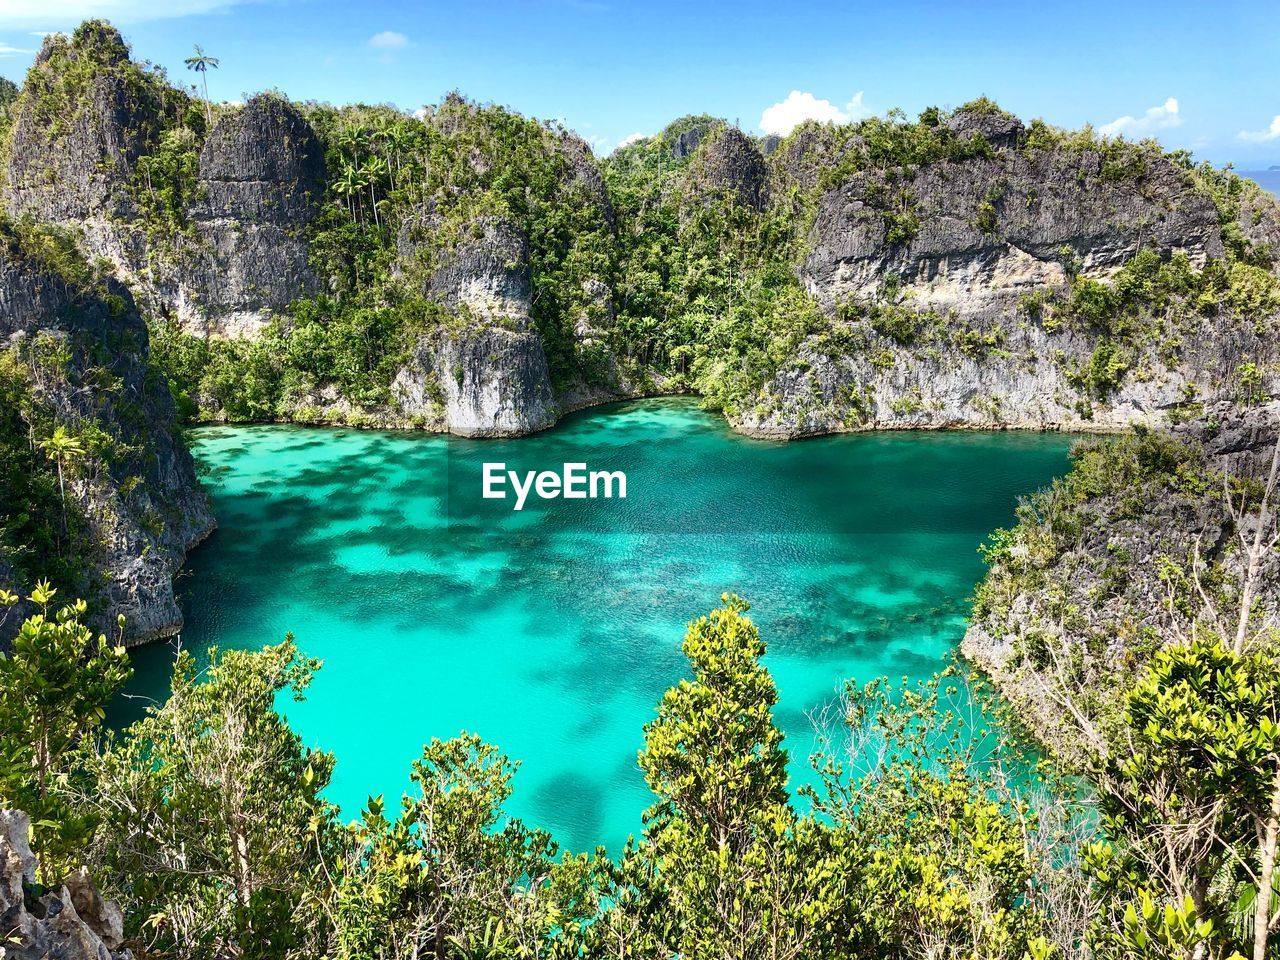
x=1196, y=76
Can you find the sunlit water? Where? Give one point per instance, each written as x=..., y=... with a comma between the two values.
x=554, y=631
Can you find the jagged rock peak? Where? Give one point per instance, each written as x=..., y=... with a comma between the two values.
x=584, y=172
x=487, y=376
x=71, y=921
x=261, y=176
x=98, y=40
x=78, y=132
x=683, y=136
x=266, y=140
x=730, y=163
x=983, y=118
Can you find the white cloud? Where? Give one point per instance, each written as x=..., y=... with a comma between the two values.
x=1163, y=117
x=785, y=116
x=388, y=40
x=9, y=51
x=631, y=138
x=1262, y=136
x=41, y=14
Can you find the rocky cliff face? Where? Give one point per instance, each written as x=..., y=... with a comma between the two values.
x=1100, y=571
x=88, y=120
x=966, y=251
x=484, y=374
x=80, y=132
x=86, y=351
x=70, y=922
x=261, y=179
x=730, y=163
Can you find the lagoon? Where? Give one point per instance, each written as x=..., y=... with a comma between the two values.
x=553, y=631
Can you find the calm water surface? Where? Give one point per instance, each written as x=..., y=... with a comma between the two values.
x=554, y=631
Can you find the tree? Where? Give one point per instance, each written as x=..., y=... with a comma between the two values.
x=200, y=63
x=61, y=448
x=945, y=851
x=350, y=184
x=1196, y=803
x=55, y=685
x=211, y=813
x=738, y=872
x=372, y=171
x=452, y=876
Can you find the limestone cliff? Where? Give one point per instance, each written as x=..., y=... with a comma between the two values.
x=482, y=374
x=1109, y=563
x=97, y=139
x=983, y=248
x=470, y=270
x=70, y=921
x=85, y=351
x=261, y=177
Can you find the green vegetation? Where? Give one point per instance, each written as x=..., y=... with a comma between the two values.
x=1150, y=306
x=1169, y=706
x=648, y=268
x=57, y=90
x=201, y=62
x=55, y=684
x=38, y=532
x=8, y=95
x=206, y=819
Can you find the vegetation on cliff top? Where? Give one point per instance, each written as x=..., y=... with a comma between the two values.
x=673, y=261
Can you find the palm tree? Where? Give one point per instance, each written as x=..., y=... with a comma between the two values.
x=350, y=184
x=351, y=139
x=373, y=170
x=60, y=448
x=201, y=63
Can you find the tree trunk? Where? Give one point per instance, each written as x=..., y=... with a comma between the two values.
x=1256, y=552
x=1266, y=875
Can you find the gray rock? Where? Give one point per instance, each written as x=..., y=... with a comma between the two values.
x=1001, y=130
x=991, y=231
x=1044, y=202
x=76, y=165
x=1243, y=438
x=145, y=507
x=486, y=273
x=485, y=374
x=1106, y=566
x=583, y=173
x=485, y=381
x=262, y=177
x=730, y=164
x=70, y=922
x=687, y=141
x=809, y=149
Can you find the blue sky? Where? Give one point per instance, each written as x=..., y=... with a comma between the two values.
x=1201, y=77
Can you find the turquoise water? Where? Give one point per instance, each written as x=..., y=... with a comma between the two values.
x=553, y=632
